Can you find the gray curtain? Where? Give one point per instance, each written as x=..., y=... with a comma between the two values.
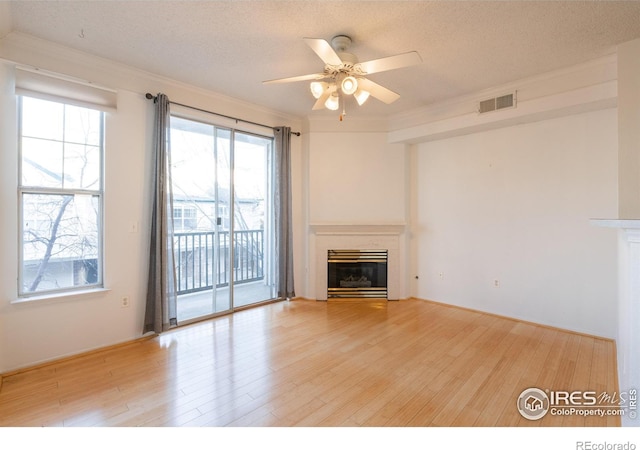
x=283, y=215
x=160, y=313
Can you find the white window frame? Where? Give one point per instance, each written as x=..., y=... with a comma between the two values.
x=98, y=192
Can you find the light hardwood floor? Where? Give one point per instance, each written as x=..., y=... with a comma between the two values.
x=307, y=363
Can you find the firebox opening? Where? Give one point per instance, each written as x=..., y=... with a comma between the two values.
x=357, y=273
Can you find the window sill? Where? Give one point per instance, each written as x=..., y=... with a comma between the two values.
x=62, y=296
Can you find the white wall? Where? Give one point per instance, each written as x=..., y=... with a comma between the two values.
x=514, y=205
x=628, y=338
x=628, y=129
x=5, y=18
x=38, y=331
x=8, y=182
x=356, y=178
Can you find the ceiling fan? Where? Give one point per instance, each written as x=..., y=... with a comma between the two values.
x=343, y=75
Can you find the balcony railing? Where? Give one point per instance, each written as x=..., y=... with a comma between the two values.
x=202, y=259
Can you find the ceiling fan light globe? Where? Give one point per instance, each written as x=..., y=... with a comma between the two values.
x=361, y=96
x=332, y=103
x=317, y=88
x=349, y=85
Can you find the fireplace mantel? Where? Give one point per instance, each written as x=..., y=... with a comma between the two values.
x=628, y=304
x=362, y=229
x=383, y=236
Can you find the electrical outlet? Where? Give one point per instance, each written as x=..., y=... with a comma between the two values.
x=496, y=283
x=441, y=275
x=125, y=302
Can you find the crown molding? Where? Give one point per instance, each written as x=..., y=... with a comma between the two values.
x=566, y=79
x=453, y=117
x=582, y=88
x=570, y=90
x=24, y=49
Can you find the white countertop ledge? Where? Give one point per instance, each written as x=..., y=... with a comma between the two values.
x=616, y=223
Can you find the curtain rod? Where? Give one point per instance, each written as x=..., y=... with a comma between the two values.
x=151, y=96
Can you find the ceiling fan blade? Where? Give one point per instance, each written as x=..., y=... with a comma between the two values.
x=390, y=62
x=319, y=104
x=324, y=50
x=311, y=76
x=381, y=93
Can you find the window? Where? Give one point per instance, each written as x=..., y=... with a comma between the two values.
x=60, y=196
x=185, y=217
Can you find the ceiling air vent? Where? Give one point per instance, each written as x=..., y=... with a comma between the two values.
x=496, y=103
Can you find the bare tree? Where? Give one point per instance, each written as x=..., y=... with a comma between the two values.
x=49, y=242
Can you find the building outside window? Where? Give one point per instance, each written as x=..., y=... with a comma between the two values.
x=60, y=196
x=184, y=217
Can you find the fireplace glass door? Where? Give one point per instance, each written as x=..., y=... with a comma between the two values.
x=357, y=273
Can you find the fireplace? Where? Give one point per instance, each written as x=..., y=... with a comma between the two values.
x=357, y=273
x=390, y=238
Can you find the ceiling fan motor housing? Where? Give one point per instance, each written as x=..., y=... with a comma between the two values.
x=341, y=43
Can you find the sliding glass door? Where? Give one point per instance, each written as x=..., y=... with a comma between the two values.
x=253, y=255
x=221, y=180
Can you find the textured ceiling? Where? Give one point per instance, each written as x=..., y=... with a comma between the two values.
x=230, y=47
